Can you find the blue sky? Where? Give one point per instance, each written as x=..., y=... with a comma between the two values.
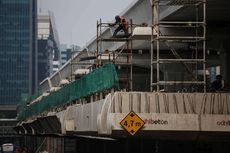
x=76, y=19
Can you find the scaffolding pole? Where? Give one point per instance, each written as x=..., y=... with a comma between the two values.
x=116, y=54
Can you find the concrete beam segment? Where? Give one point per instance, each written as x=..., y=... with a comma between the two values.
x=19, y=129
x=54, y=123
x=178, y=109
x=37, y=127
x=81, y=117
x=69, y=118
x=142, y=33
x=45, y=125
x=161, y=122
x=162, y=112
x=215, y=123
x=60, y=116
x=28, y=128
x=65, y=71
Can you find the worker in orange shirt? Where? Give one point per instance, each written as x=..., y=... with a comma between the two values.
x=123, y=25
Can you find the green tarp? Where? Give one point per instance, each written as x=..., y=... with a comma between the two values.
x=99, y=79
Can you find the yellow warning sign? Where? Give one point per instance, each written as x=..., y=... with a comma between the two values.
x=132, y=123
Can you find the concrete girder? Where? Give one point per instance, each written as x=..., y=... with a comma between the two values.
x=28, y=129
x=168, y=115
x=37, y=127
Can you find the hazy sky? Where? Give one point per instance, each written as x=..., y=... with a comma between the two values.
x=76, y=19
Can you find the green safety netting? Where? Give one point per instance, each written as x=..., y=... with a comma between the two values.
x=99, y=79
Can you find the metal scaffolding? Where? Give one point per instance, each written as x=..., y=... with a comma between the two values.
x=121, y=56
x=169, y=33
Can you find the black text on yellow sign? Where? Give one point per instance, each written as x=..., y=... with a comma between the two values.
x=132, y=123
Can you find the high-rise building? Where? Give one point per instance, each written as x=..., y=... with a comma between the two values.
x=66, y=52
x=18, y=51
x=63, y=54
x=48, y=45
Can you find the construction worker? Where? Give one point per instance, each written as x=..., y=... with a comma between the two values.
x=218, y=84
x=123, y=25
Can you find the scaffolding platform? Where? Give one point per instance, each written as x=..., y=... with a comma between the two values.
x=121, y=57
x=185, y=32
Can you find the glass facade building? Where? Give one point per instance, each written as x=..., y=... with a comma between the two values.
x=18, y=50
